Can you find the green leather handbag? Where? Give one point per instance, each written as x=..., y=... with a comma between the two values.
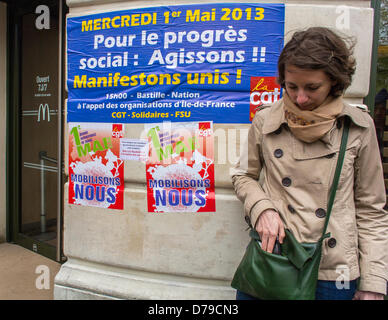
x=293, y=274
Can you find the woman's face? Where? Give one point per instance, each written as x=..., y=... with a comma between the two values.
x=307, y=88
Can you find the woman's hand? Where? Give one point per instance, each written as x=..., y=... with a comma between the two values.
x=366, y=295
x=269, y=227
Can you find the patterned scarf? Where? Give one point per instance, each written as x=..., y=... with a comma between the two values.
x=310, y=126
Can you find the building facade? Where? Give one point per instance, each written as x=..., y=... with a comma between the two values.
x=129, y=253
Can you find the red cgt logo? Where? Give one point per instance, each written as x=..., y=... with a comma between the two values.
x=264, y=90
x=117, y=131
x=205, y=129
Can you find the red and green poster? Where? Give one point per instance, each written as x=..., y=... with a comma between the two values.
x=96, y=172
x=180, y=167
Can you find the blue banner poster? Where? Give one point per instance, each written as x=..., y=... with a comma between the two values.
x=203, y=62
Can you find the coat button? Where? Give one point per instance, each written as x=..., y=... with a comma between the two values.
x=320, y=213
x=331, y=155
x=332, y=242
x=247, y=220
x=286, y=182
x=278, y=153
x=339, y=124
x=291, y=208
x=278, y=131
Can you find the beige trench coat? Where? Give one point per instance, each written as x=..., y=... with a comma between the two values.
x=296, y=178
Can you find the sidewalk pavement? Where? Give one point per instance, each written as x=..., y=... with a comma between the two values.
x=19, y=274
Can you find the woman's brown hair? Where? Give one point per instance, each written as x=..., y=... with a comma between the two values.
x=320, y=48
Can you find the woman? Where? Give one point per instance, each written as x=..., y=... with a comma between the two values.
x=294, y=144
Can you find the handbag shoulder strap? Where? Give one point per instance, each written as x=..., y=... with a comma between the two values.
x=337, y=174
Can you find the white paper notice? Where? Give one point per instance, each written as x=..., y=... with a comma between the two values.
x=134, y=149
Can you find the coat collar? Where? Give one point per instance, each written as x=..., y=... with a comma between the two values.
x=277, y=118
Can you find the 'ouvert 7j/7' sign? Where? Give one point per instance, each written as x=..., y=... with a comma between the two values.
x=213, y=62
